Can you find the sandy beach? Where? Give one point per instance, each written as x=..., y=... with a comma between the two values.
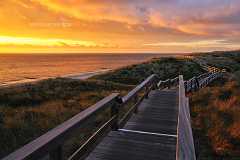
x=80, y=76
x=86, y=75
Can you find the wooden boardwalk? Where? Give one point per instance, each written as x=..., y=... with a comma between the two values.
x=151, y=134
x=161, y=129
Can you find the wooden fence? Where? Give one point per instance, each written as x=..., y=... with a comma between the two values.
x=185, y=144
x=201, y=81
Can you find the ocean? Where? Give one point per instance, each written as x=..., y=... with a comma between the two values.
x=19, y=68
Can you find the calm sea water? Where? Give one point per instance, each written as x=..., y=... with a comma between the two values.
x=23, y=68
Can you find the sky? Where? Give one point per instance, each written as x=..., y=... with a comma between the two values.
x=164, y=26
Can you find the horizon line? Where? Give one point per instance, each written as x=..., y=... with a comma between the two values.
x=119, y=52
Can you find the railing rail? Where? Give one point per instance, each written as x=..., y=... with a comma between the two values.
x=168, y=83
x=185, y=144
x=144, y=85
x=201, y=81
x=209, y=79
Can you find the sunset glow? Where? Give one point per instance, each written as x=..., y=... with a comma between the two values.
x=50, y=42
x=115, y=26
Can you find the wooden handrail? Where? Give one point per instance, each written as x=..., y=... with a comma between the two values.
x=201, y=81
x=185, y=144
x=52, y=140
x=150, y=80
x=168, y=83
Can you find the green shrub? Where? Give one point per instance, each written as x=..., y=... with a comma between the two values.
x=165, y=68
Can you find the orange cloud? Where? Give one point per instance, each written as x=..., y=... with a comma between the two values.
x=122, y=23
x=90, y=11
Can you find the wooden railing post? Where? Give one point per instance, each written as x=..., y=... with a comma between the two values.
x=191, y=85
x=115, y=112
x=201, y=81
x=146, y=91
x=136, y=101
x=155, y=83
x=196, y=84
x=56, y=154
x=186, y=86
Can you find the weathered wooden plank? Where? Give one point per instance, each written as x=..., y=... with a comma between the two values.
x=125, y=145
x=157, y=114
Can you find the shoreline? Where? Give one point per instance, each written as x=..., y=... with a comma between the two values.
x=77, y=76
x=86, y=75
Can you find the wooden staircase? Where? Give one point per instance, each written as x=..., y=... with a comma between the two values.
x=151, y=134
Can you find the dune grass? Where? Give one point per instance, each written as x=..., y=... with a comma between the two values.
x=224, y=60
x=164, y=67
x=215, y=111
x=28, y=111
x=216, y=120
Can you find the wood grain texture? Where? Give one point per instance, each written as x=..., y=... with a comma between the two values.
x=157, y=114
x=185, y=144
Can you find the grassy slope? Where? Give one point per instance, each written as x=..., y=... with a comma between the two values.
x=216, y=111
x=165, y=68
x=28, y=111
x=225, y=60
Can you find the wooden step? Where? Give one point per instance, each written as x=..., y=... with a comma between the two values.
x=148, y=135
